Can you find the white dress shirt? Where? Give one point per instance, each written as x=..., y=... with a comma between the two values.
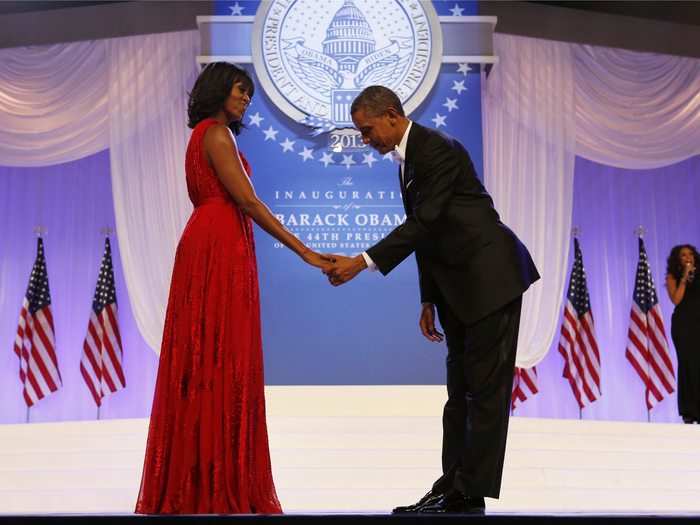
x=399, y=155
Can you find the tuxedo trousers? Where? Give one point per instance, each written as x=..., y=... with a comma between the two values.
x=480, y=366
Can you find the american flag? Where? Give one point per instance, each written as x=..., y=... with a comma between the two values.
x=524, y=385
x=35, y=344
x=577, y=343
x=647, y=348
x=101, y=364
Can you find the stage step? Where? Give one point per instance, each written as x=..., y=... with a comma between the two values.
x=336, y=450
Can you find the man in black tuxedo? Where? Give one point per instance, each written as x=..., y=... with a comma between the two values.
x=473, y=270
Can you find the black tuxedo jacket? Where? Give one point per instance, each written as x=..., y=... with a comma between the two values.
x=467, y=258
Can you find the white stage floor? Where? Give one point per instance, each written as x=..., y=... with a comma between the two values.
x=368, y=449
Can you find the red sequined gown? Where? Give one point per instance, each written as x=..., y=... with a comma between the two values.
x=207, y=449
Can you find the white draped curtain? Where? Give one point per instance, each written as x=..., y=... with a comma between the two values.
x=529, y=139
x=636, y=110
x=63, y=102
x=546, y=102
x=53, y=102
x=149, y=77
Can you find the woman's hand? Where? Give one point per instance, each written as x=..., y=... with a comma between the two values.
x=688, y=269
x=325, y=262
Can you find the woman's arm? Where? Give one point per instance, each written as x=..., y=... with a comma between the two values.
x=676, y=289
x=221, y=150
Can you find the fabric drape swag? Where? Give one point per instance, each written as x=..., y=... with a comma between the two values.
x=636, y=110
x=53, y=103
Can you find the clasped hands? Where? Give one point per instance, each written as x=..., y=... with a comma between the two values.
x=338, y=268
x=341, y=269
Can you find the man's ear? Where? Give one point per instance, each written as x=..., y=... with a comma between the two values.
x=392, y=114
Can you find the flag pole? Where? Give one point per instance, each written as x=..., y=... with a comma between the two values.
x=575, y=232
x=107, y=232
x=639, y=233
x=40, y=230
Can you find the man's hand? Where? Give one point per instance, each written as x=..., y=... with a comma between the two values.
x=427, y=323
x=344, y=268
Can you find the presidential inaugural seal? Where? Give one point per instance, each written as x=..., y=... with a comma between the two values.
x=313, y=58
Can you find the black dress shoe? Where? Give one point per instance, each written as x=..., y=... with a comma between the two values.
x=454, y=503
x=429, y=498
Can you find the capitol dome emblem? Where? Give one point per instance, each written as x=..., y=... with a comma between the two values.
x=313, y=58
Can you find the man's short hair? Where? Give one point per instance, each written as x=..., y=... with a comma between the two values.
x=375, y=100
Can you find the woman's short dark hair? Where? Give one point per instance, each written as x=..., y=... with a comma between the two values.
x=673, y=263
x=375, y=100
x=212, y=88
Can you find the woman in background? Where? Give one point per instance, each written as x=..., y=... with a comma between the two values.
x=207, y=449
x=684, y=291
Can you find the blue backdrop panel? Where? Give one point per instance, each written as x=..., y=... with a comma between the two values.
x=365, y=332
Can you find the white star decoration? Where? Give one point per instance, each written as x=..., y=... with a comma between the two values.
x=306, y=154
x=439, y=120
x=456, y=10
x=326, y=158
x=348, y=161
x=236, y=9
x=287, y=145
x=450, y=104
x=368, y=158
x=458, y=86
x=464, y=69
x=270, y=133
x=255, y=119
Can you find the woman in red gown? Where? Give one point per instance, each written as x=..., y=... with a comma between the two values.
x=207, y=449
